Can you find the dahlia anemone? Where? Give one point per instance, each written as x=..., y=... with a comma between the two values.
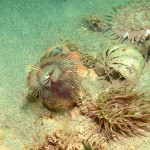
x=119, y=61
x=55, y=78
x=119, y=111
x=130, y=22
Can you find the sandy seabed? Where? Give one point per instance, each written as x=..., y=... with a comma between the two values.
x=29, y=28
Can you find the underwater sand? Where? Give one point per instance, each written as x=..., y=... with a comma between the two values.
x=27, y=29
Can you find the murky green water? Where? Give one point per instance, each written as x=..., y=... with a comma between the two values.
x=27, y=29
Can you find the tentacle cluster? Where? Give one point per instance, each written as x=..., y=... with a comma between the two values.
x=119, y=111
x=130, y=22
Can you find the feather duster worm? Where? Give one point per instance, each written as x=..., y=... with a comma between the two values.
x=130, y=22
x=55, y=79
x=119, y=111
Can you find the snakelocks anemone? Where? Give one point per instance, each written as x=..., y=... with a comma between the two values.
x=129, y=22
x=55, y=79
x=120, y=111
